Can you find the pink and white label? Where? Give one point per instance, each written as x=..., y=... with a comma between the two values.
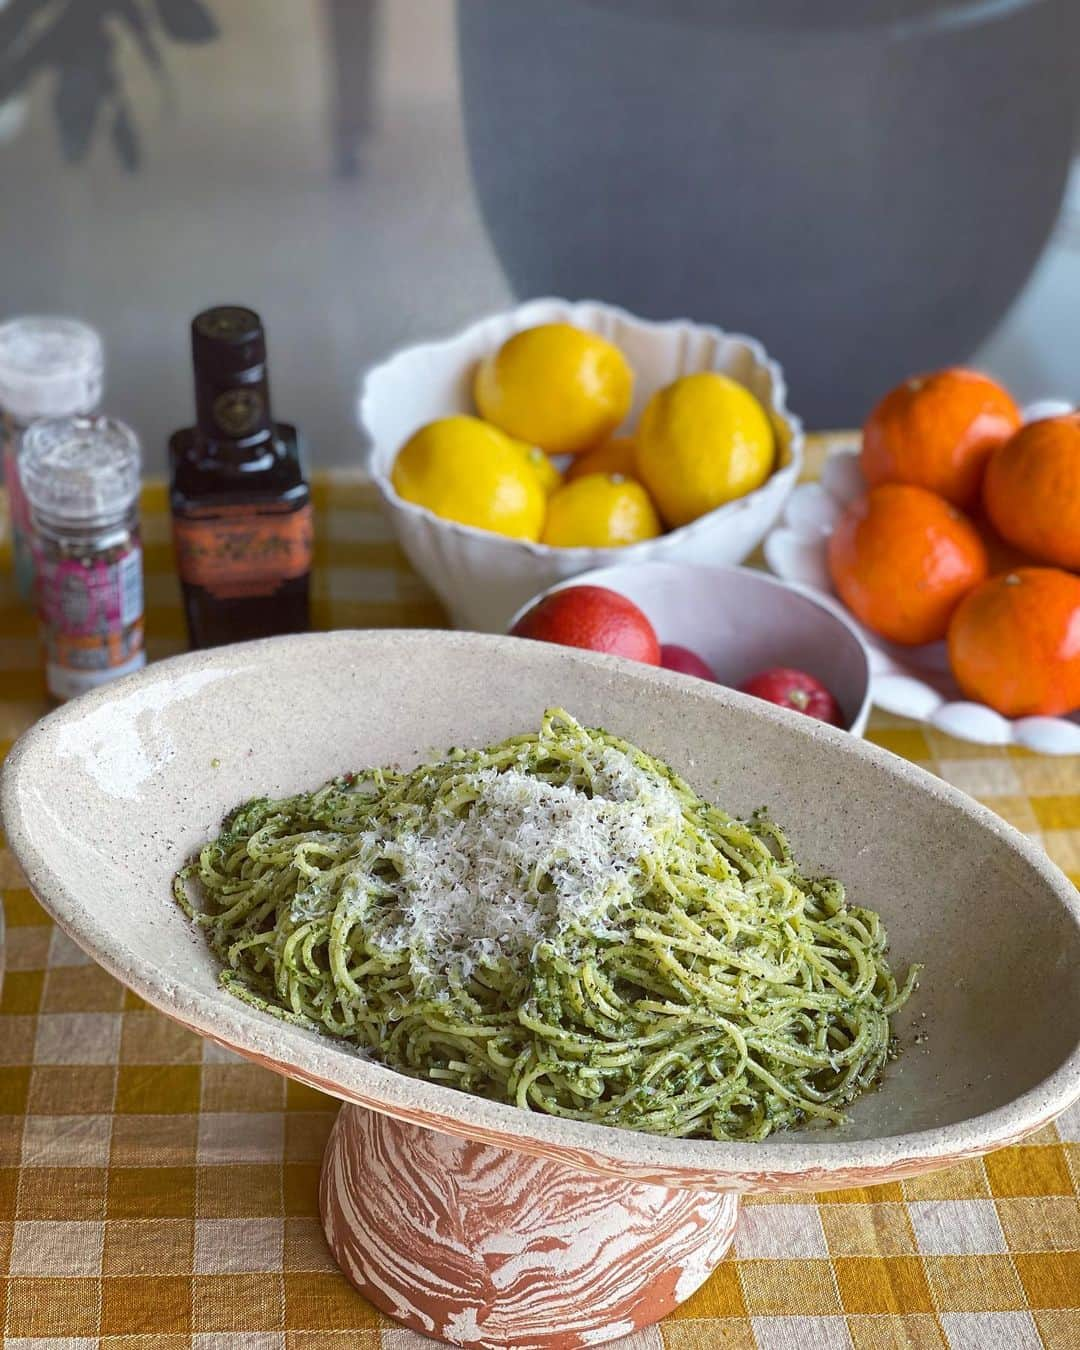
x=98, y=598
x=91, y=614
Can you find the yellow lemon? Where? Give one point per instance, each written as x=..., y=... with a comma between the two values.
x=464, y=470
x=542, y=465
x=602, y=510
x=702, y=441
x=555, y=386
x=614, y=456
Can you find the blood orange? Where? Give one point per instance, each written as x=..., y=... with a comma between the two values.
x=595, y=618
x=686, y=662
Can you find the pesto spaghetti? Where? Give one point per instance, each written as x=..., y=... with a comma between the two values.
x=560, y=922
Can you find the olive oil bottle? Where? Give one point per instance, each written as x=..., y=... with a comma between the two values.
x=241, y=507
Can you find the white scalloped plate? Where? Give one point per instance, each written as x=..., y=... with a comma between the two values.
x=912, y=682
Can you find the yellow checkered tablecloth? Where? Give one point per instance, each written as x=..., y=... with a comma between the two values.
x=156, y=1191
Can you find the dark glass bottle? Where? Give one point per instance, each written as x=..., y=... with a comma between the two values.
x=241, y=508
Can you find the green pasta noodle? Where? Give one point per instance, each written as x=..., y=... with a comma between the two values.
x=558, y=921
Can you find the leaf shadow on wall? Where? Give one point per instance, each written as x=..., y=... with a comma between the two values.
x=78, y=42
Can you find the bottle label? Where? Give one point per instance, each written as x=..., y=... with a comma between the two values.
x=92, y=614
x=239, y=412
x=245, y=550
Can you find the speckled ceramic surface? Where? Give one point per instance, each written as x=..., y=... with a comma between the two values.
x=102, y=799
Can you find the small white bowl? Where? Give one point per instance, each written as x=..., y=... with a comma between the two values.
x=482, y=578
x=741, y=622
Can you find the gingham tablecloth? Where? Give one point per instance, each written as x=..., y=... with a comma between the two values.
x=156, y=1191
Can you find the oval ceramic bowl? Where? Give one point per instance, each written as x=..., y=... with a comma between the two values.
x=482, y=578
x=742, y=622
x=911, y=682
x=447, y=1209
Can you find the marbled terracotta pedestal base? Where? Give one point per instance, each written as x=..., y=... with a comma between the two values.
x=488, y=1247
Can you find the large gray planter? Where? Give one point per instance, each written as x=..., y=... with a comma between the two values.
x=865, y=190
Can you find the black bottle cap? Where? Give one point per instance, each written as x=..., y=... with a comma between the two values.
x=226, y=340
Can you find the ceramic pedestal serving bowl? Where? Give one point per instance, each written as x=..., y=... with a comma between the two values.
x=480, y=1223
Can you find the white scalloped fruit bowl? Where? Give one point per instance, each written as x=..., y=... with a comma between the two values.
x=483, y=578
x=912, y=682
